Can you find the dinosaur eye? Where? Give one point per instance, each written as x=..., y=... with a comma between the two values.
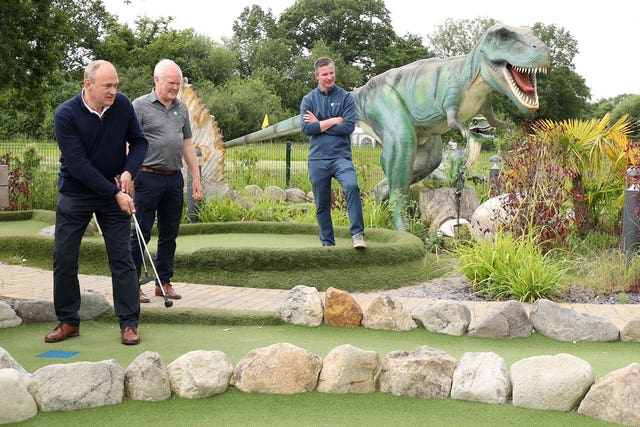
x=503, y=34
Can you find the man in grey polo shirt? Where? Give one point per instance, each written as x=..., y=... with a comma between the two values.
x=159, y=186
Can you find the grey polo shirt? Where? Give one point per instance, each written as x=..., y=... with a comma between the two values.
x=165, y=129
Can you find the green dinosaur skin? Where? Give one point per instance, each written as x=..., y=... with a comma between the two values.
x=480, y=131
x=406, y=109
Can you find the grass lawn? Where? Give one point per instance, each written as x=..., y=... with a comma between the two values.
x=247, y=254
x=100, y=341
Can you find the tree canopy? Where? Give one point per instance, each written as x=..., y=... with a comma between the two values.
x=266, y=66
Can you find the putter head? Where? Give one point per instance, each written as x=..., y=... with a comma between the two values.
x=145, y=280
x=168, y=303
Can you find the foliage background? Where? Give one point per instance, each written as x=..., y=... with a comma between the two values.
x=265, y=67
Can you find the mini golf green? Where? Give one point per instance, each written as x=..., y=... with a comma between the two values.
x=249, y=254
x=100, y=341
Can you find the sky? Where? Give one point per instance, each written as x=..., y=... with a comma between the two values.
x=606, y=32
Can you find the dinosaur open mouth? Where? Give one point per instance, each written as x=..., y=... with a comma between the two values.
x=522, y=82
x=483, y=132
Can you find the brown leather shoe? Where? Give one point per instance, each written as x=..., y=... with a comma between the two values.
x=130, y=336
x=143, y=297
x=62, y=332
x=168, y=289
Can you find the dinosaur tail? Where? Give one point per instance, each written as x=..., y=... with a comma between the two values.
x=283, y=128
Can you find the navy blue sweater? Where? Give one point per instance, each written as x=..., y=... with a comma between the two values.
x=93, y=149
x=335, y=143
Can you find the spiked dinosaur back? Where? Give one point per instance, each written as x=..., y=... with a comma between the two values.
x=206, y=134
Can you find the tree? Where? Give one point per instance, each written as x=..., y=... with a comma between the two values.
x=404, y=50
x=458, y=37
x=253, y=27
x=240, y=105
x=38, y=37
x=135, y=53
x=360, y=30
x=629, y=104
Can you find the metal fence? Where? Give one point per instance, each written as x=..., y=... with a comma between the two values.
x=283, y=164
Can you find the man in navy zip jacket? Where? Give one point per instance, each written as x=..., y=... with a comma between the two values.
x=96, y=175
x=328, y=118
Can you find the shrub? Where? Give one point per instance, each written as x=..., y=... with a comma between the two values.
x=511, y=267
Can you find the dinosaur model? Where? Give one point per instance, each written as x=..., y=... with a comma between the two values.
x=206, y=135
x=406, y=109
x=446, y=173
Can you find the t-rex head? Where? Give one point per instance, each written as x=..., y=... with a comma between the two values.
x=508, y=59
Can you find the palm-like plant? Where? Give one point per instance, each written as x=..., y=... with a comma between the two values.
x=600, y=154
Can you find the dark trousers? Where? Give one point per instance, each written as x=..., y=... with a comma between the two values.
x=320, y=174
x=161, y=195
x=73, y=213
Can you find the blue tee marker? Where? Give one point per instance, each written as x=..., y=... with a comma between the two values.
x=58, y=354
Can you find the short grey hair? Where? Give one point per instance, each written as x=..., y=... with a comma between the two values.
x=92, y=68
x=161, y=68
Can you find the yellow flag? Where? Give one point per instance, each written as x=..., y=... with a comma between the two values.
x=265, y=122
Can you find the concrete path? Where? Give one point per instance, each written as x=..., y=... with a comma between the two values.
x=30, y=283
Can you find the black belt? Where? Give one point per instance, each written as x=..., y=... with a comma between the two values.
x=152, y=170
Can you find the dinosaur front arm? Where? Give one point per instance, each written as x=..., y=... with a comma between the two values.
x=496, y=122
x=487, y=112
x=453, y=122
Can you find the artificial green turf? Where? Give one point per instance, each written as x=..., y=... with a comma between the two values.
x=250, y=254
x=100, y=341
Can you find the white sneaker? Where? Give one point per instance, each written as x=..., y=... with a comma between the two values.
x=358, y=241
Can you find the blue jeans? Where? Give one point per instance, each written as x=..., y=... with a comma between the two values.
x=73, y=213
x=320, y=174
x=161, y=195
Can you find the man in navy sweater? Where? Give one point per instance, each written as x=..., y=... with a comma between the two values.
x=96, y=175
x=328, y=118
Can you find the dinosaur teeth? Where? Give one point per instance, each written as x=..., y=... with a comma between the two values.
x=530, y=101
x=526, y=70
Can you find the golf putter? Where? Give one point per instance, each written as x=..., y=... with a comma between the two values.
x=147, y=277
x=167, y=302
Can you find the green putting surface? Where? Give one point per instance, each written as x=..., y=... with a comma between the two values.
x=22, y=228
x=277, y=255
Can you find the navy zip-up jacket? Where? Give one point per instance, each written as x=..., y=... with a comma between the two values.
x=335, y=143
x=93, y=149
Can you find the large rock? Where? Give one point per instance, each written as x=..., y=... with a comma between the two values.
x=505, y=320
x=36, y=311
x=8, y=317
x=481, y=377
x=341, y=309
x=253, y=191
x=387, y=313
x=146, y=378
x=200, y=373
x=563, y=324
x=630, y=332
x=615, y=397
x=16, y=403
x=7, y=361
x=424, y=372
x=79, y=385
x=275, y=193
x=295, y=195
x=444, y=317
x=551, y=382
x=439, y=205
x=490, y=216
x=92, y=304
x=303, y=306
x=348, y=369
x=281, y=368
